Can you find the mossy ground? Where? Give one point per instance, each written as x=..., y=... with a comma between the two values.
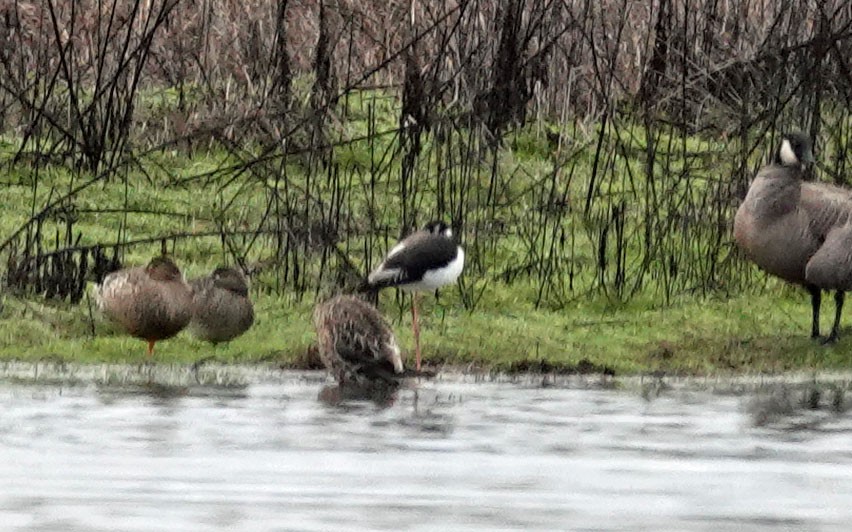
x=764, y=329
x=745, y=334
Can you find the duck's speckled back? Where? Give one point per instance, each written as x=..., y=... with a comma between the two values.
x=354, y=340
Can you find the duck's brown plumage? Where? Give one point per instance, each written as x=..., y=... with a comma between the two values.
x=151, y=302
x=221, y=308
x=355, y=342
x=798, y=231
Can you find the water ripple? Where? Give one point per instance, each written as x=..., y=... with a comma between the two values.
x=451, y=455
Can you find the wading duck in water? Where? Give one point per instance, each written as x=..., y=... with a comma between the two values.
x=355, y=343
x=799, y=231
x=424, y=261
x=221, y=308
x=151, y=302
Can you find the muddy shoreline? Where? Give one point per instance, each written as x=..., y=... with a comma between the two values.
x=215, y=374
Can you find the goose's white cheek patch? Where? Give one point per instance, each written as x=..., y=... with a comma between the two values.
x=788, y=156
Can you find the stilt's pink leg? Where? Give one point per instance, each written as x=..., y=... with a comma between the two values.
x=416, y=326
x=151, y=348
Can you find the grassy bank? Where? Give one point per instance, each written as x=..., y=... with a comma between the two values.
x=577, y=261
x=590, y=163
x=764, y=333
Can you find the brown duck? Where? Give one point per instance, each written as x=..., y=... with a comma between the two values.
x=221, y=308
x=799, y=231
x=355, y=342
x=151, y=302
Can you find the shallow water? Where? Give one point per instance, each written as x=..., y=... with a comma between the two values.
x=116, y=454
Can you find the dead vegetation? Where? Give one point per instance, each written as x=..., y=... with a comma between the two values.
x=648, y=118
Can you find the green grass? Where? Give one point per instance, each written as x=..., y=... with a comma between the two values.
x=695, y=335
x=747, y=334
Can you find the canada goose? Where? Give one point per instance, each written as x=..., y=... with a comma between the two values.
x=799, y=231
x=151, y=302
x=221, y=308
x=355, y=342
x=424, y=261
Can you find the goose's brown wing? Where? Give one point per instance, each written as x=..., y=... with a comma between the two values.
x=830, y=268
x=827, y=207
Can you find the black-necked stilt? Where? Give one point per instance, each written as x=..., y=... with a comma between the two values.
x=424, y=261
x=355, y=343
x=221, y=307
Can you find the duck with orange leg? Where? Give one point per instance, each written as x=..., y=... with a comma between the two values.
x=152, y=302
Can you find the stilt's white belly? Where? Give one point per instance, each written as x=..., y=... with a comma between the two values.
x=435, y=279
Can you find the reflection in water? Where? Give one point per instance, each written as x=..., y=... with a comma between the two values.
x=795, y=408
x=450, y=455
x=381, y=394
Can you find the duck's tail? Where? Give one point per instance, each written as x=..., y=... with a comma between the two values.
x=368, y=292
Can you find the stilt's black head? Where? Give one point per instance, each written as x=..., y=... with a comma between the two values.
x=795, y=150
x=437, y=227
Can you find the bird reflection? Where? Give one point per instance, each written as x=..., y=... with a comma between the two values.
x=341, y=394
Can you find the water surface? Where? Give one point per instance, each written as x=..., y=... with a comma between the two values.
x=261, y=452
